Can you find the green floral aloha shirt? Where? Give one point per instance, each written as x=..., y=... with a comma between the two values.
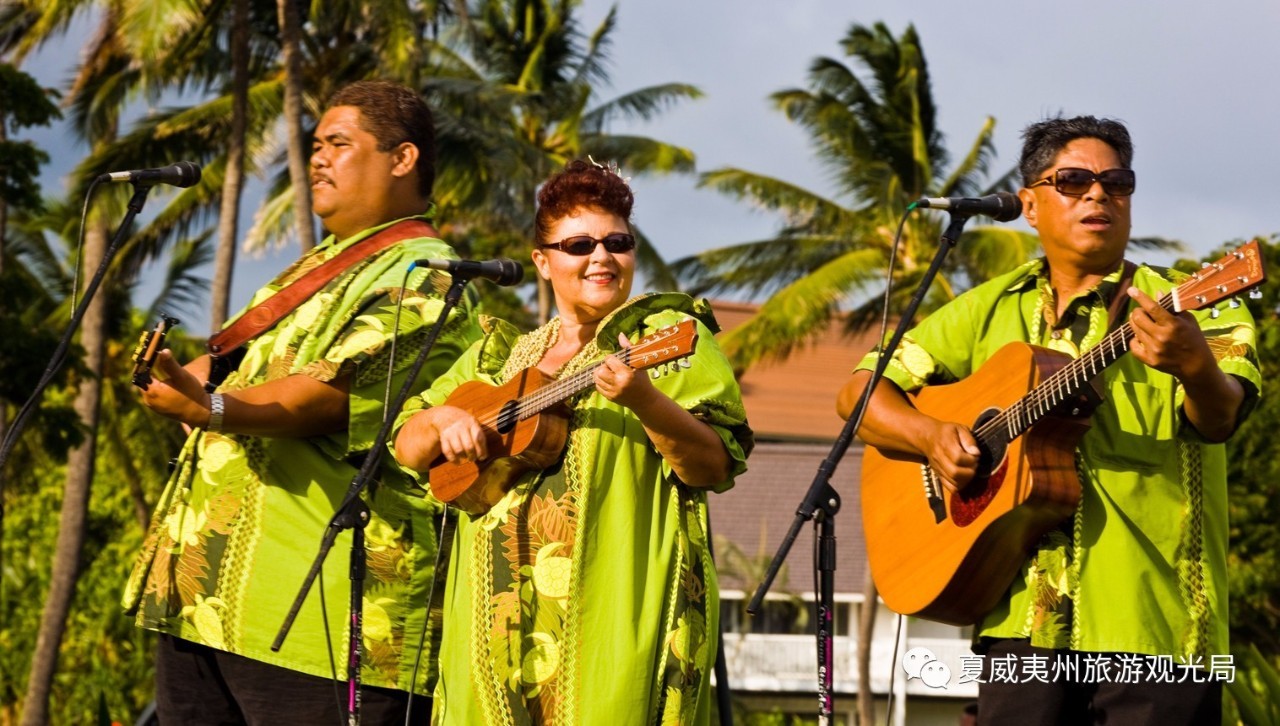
x=1142, y=566
x=588, y=595
x=241, y=518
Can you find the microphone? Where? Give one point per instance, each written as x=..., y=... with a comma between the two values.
x=181, y=174
x=1001, y=206
x=501, y=271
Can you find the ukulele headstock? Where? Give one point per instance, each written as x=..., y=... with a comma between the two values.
x=660, y=346
x=1234, y=273
x=150, y=343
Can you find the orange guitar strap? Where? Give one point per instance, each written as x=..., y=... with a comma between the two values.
x=1120, y=298
x=272, y=310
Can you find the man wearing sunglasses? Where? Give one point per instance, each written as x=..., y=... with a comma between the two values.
x=1119, y=615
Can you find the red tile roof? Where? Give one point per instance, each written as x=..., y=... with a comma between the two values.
x=791, y=407
x=795, y=399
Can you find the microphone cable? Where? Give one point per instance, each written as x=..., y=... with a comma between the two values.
x=324, y=613
x=862, y=411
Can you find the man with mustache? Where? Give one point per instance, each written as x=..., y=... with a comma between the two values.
x=1137, y=577
x=274, y=447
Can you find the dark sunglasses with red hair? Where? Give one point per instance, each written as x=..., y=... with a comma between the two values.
x=1075, y=182
x=582, y=245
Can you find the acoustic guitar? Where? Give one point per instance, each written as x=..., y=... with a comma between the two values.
x=150, y=343
x=950, y=556
x=525, y=424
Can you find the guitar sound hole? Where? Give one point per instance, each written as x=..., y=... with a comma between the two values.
x=968, y=504
x=993, y=447
x=508, y=417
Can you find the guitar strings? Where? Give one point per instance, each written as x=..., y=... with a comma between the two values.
x=558, y=390
x=1020, y=415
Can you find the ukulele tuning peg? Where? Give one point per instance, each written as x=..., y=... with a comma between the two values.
x=1234, y=303
x=1255, y=294
x=1214, y=313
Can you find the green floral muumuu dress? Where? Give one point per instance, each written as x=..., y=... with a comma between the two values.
x=588, y=594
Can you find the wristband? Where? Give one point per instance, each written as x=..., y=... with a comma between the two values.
x=216, y=409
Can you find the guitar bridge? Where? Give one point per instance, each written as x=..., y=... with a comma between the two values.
x=933, y=493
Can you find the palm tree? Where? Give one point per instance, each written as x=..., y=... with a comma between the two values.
x=291, y=47
x=515, y=91
x=26, y=105
x=106, y=80
x=128, y=442
x=233, y=179
x=340, y=43
x=105, y=59
x=873, y=128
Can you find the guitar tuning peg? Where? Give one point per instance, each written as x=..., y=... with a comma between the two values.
x=1255, y=294
x=1214, y=313
x=1234, y=303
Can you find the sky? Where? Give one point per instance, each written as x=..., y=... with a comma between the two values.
x=1196, y=83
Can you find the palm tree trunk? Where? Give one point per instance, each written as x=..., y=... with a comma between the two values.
x=75, y=501
x=4, y=407
x=233, y=182
x=291, y=37
x=4, y=226
x=866, y=631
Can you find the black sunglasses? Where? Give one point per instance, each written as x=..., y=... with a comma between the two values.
x=1075, y=182
x=582, y=245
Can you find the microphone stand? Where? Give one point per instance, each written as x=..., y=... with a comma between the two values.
x=821, y=502
x=136, y=202
x=353, y=514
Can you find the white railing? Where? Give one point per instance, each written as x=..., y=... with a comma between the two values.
x=789, y=663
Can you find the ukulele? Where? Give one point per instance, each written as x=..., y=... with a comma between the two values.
x=526, y=426
x=150, y=343
x=950, y=556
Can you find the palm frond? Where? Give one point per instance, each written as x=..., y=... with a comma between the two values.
x=801, y=208
x=1161, y=244
x=639, y=154
x=272, y=224
x=591, y=68
x=182, y=289
x=963, y=180
x=649, y=262
x=27, y=24
x=644, y=104
x=793, y=316
x=992, y=250
x=763, y=267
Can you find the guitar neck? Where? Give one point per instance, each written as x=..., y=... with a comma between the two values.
x=1067, y=382
x=565, y=388
x=664, y=345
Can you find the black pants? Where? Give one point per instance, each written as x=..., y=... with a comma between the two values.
x=197, y=685
x=1072, y=701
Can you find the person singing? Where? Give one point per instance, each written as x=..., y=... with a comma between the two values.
x=1140, y=570
x=588, y=594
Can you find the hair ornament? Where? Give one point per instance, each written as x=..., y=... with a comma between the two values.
x=612, y=168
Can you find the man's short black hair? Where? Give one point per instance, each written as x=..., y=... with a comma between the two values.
x=1042, y=141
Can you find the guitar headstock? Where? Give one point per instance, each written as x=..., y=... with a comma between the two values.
x=1235, y=273
x=150, y=344
x=660, y=346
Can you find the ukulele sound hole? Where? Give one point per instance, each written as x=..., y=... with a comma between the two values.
x=508, y=417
